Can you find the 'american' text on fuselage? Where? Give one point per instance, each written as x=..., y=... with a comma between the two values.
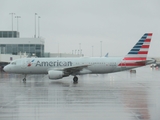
x=54, y=63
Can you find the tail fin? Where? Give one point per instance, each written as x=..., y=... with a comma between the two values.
x=106, y=55
x=138, y=54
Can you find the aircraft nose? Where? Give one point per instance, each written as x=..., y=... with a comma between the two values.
x=6, y=68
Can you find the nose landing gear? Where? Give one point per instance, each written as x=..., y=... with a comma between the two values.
x=24, y=79
x=75, y=79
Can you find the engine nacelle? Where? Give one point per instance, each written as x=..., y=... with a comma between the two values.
x=52, y=74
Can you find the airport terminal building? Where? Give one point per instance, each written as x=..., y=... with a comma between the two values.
x=13, y=47
x=17, y=46
x=10, y=43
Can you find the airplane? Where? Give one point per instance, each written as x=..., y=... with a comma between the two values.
x=57, y=68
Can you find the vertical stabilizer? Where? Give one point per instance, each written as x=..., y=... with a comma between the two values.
x=138, y=54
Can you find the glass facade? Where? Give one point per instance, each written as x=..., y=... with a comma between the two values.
x=9, y=34
x=29, y=49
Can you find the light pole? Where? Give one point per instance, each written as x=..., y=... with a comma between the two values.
x=35, y=25
x=12, y=21
x=101, y=48
x=81, y=52
x=58, y=49
x=80, y=49
x=92, y=51
x=39, y=26
x=17, y=21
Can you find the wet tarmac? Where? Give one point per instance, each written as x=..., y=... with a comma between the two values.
x=116, y=96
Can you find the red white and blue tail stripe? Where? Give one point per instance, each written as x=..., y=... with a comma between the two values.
x=138, y=54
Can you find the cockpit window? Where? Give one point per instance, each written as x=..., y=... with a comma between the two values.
x=13, y=63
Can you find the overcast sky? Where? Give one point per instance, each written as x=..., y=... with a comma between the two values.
x=119, y=24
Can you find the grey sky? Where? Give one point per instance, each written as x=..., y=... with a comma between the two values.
x=117, y=23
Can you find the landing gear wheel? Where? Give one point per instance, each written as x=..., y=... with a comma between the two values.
x=24, y=79
x=75, y=79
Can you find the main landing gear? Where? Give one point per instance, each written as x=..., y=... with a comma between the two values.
x=75, y=79
x=24, y=79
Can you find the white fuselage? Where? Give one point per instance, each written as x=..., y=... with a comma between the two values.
x=95, y=65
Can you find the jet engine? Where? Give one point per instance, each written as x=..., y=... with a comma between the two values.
x=52, y=74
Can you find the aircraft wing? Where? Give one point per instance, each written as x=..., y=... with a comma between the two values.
x=72, y=69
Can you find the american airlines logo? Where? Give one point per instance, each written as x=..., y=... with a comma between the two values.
x=54, y=63
x=30, y=63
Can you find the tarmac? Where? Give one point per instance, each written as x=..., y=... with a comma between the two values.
x=115, y=96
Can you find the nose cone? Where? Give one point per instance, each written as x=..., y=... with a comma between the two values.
x=6, y=68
